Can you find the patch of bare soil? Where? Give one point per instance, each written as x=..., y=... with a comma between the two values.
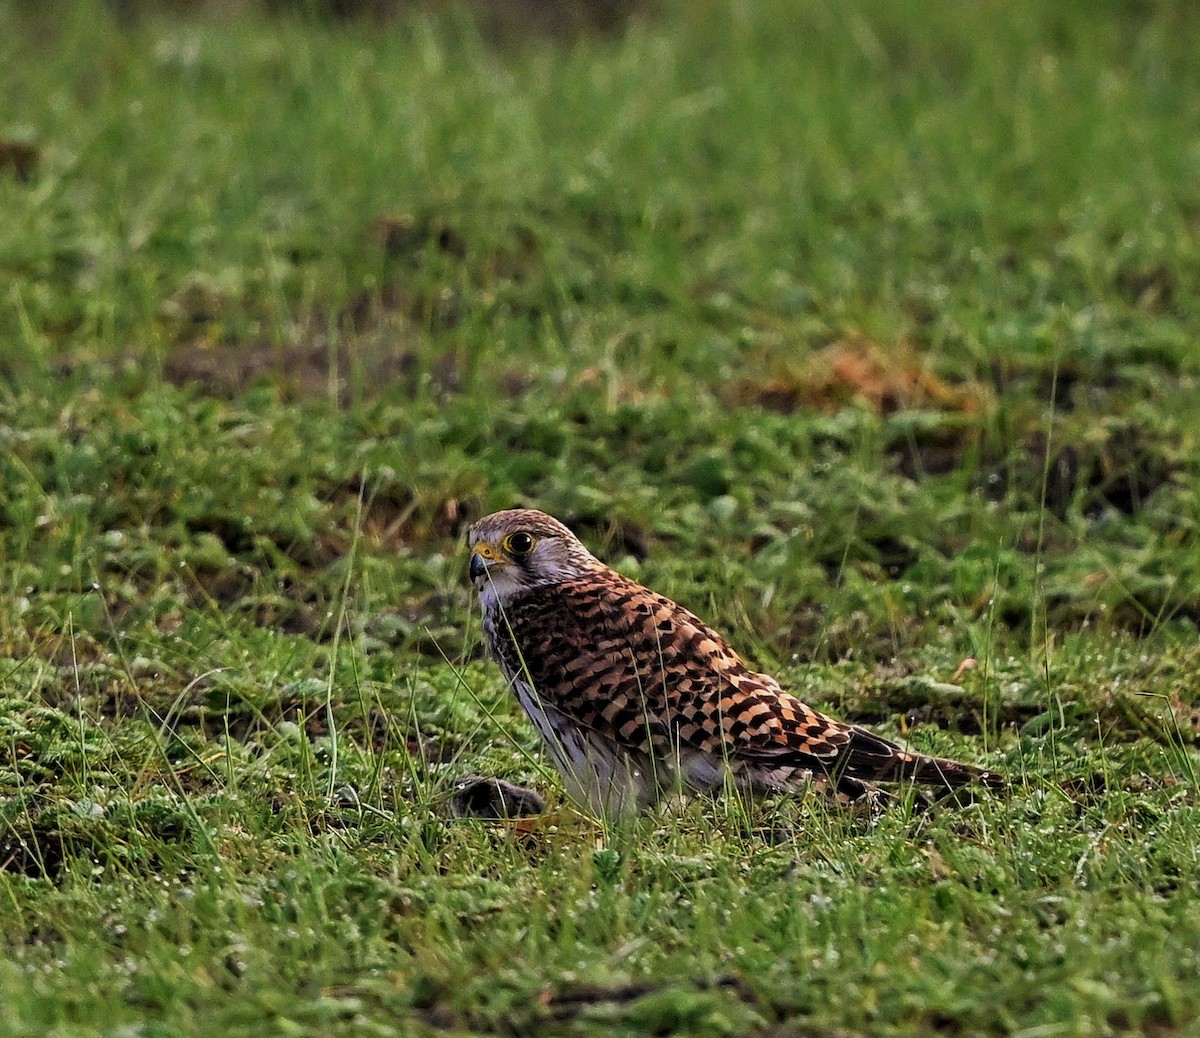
x=378, y=339
x=19, y=159
x=1150, y=286
x=32, y=850
x=391, y=515
x=1118, y=465
x=935, y=451
x=301, y=370
x=500, y=21
x=857, y=371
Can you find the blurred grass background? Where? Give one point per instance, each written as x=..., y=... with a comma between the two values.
x=867, y=332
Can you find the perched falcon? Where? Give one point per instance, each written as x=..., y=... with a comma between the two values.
x=635, y=696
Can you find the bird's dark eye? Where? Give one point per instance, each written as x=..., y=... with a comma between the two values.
x=519, y=543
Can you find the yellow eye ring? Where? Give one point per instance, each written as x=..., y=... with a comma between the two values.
x=519, y=544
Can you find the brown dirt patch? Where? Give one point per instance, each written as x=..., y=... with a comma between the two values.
x=345, y=372
x=1117, y=465
x=19, y=159
x=858, y=371
x=935, y=451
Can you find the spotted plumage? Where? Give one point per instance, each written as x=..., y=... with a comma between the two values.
x=634, y=695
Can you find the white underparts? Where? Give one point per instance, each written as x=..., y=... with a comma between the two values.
x=594, y=771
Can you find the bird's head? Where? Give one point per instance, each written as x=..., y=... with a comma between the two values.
x=521, y=548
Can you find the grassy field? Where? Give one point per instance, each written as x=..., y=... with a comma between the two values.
x=870, y=333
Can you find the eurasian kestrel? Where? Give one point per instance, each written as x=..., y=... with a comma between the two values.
x=635, y=696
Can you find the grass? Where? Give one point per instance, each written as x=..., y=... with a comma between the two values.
x=869, y=335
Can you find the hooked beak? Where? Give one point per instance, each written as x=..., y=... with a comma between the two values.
x=483, y=557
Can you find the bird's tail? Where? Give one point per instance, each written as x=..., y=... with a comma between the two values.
x=940, y=771
x=875, y=759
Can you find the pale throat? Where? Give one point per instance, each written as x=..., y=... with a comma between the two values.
x=494, y=594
